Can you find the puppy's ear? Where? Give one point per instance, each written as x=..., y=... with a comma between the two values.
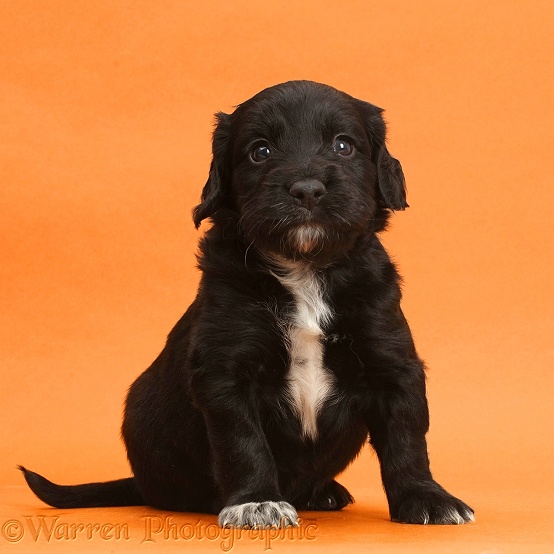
x=392, y=184
x=214, y=189
x=390, y=177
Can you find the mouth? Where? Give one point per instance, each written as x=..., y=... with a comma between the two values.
x=296, y=232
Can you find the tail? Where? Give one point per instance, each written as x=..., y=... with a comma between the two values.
x=122, y=492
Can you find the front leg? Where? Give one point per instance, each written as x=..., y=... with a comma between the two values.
x=242, y=461
x=397, y=416
x=398, y=419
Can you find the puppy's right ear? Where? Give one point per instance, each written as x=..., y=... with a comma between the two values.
x=214, y=189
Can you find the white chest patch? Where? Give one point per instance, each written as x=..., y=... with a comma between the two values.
x=310, y=383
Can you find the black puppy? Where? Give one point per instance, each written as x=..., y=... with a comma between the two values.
x=295, y=349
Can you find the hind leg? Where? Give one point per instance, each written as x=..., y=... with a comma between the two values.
x=330, y=496
x=170, y=478
x=167, y=445
x=184, y=491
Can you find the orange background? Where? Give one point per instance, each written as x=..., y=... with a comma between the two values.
x=105, y=121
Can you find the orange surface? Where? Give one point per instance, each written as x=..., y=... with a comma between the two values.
x=105, y=121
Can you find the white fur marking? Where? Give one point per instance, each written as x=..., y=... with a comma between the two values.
x=258, y=515
x=310, y=383
x=306, y=238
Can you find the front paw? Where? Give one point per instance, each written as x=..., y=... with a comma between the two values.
x=428, y=503
x=256, y=515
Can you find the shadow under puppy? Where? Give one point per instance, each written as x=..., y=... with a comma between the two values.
x=295, y=348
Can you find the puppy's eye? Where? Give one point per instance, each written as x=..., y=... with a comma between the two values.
x=260, y=153
x=343, y=147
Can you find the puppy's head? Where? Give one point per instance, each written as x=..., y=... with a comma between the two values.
x=305, y=170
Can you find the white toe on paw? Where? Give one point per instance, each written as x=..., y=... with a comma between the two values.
x=255, y=515
x=451, y=516
x=455, y=517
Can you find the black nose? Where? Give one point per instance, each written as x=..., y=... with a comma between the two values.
x=308, y=192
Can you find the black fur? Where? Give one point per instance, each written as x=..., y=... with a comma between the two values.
x=208, y=425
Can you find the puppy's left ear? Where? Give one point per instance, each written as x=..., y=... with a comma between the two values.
x=214, y=190
x=390, y=177
x=392, y=184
